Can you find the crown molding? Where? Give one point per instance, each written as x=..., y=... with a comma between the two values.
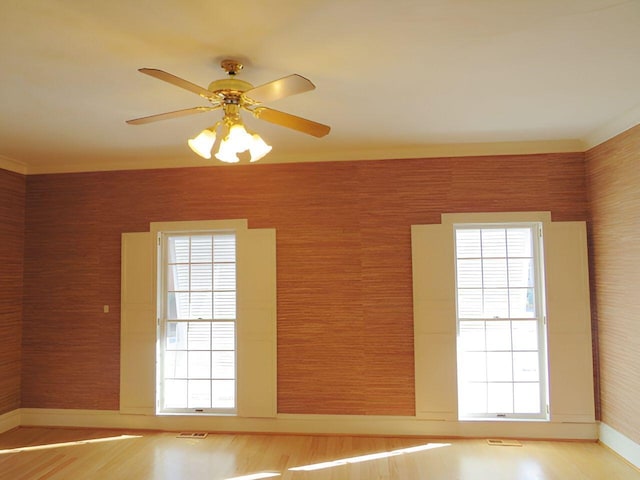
x=12, y=165
x=449, y=150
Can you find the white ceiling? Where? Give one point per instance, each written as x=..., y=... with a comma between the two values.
x=394, y=79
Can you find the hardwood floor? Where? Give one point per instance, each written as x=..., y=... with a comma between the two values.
x=55, y=453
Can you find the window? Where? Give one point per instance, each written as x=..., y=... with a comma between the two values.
x=197, y=324
x=500, y=321
x=145, y=324
x=564, y=326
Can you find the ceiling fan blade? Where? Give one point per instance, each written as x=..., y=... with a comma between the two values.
x=168, y=115
x=179, y=82
x=283, y=87
x=291, y=121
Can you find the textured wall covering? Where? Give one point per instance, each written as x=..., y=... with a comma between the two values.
x=12, y=199
x=345, y=320
x=613, y=171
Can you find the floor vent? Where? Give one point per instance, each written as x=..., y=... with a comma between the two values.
x=192, y=435
x=504, y=443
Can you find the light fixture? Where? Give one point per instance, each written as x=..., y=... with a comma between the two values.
x=203, y=142
x=232, y=95
x=235, y=139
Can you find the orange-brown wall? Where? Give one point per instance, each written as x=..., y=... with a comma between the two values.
x=12, y=199
x=613, y=172
x=345, y=320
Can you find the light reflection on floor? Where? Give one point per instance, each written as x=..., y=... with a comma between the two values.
x=255, y=476
x=66, y=444
x=369, y=457
x=346, y=461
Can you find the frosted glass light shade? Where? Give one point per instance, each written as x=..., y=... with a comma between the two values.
x=238, y=140
x=203, y=143
x=226, y=152
x=258, y=148
x=235, y=140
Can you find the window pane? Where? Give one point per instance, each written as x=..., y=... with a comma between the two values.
x=224, y=393
x=525, y=335
x=176, y=336
x=499, y=367
x=496, y=303
x=201, y=277
x=519, y=242
x=224, y=248
x=175, y=364
x=201, y=248
x=199, y=365
x=224, y=276
x=473, y=397
x=199, y=394
x=500, y=397
x=177, y=305
x=175, y=393
x=469, y=273
x=178, y=277
x=475, y=367
x=199, y=336
x=472, y=336
x=178, y=250
x=223, y=336
x=223, y=365
x=520, y=272
x=494, y=273
x=527, y=397
x=470, y=303
x=201, y=304
x=499, y=335
x=525, y=367
x=521, y=303
x=224, y=305
x=494, y=242
x=468, y=243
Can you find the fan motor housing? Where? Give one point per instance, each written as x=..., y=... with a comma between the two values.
x=230, y=84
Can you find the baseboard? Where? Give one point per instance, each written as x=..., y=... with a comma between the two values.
x=621, y=444
x=10, y=420
x=311, y=424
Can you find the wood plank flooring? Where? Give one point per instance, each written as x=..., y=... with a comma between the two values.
x=54, y=453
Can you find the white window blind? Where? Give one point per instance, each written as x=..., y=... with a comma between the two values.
x=501, y=342
x=198, y=323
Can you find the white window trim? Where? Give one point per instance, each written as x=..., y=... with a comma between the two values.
x=162, y=247
x=540, y=307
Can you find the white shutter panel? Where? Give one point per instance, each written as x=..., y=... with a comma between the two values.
x=256, y=323
x=137, y=325
x=434, y=321
x=569, y=322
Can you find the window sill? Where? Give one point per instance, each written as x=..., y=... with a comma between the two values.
x=502, y=419
x=196, y=414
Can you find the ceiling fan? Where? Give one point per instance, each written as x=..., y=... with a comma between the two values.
x=233, y=95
